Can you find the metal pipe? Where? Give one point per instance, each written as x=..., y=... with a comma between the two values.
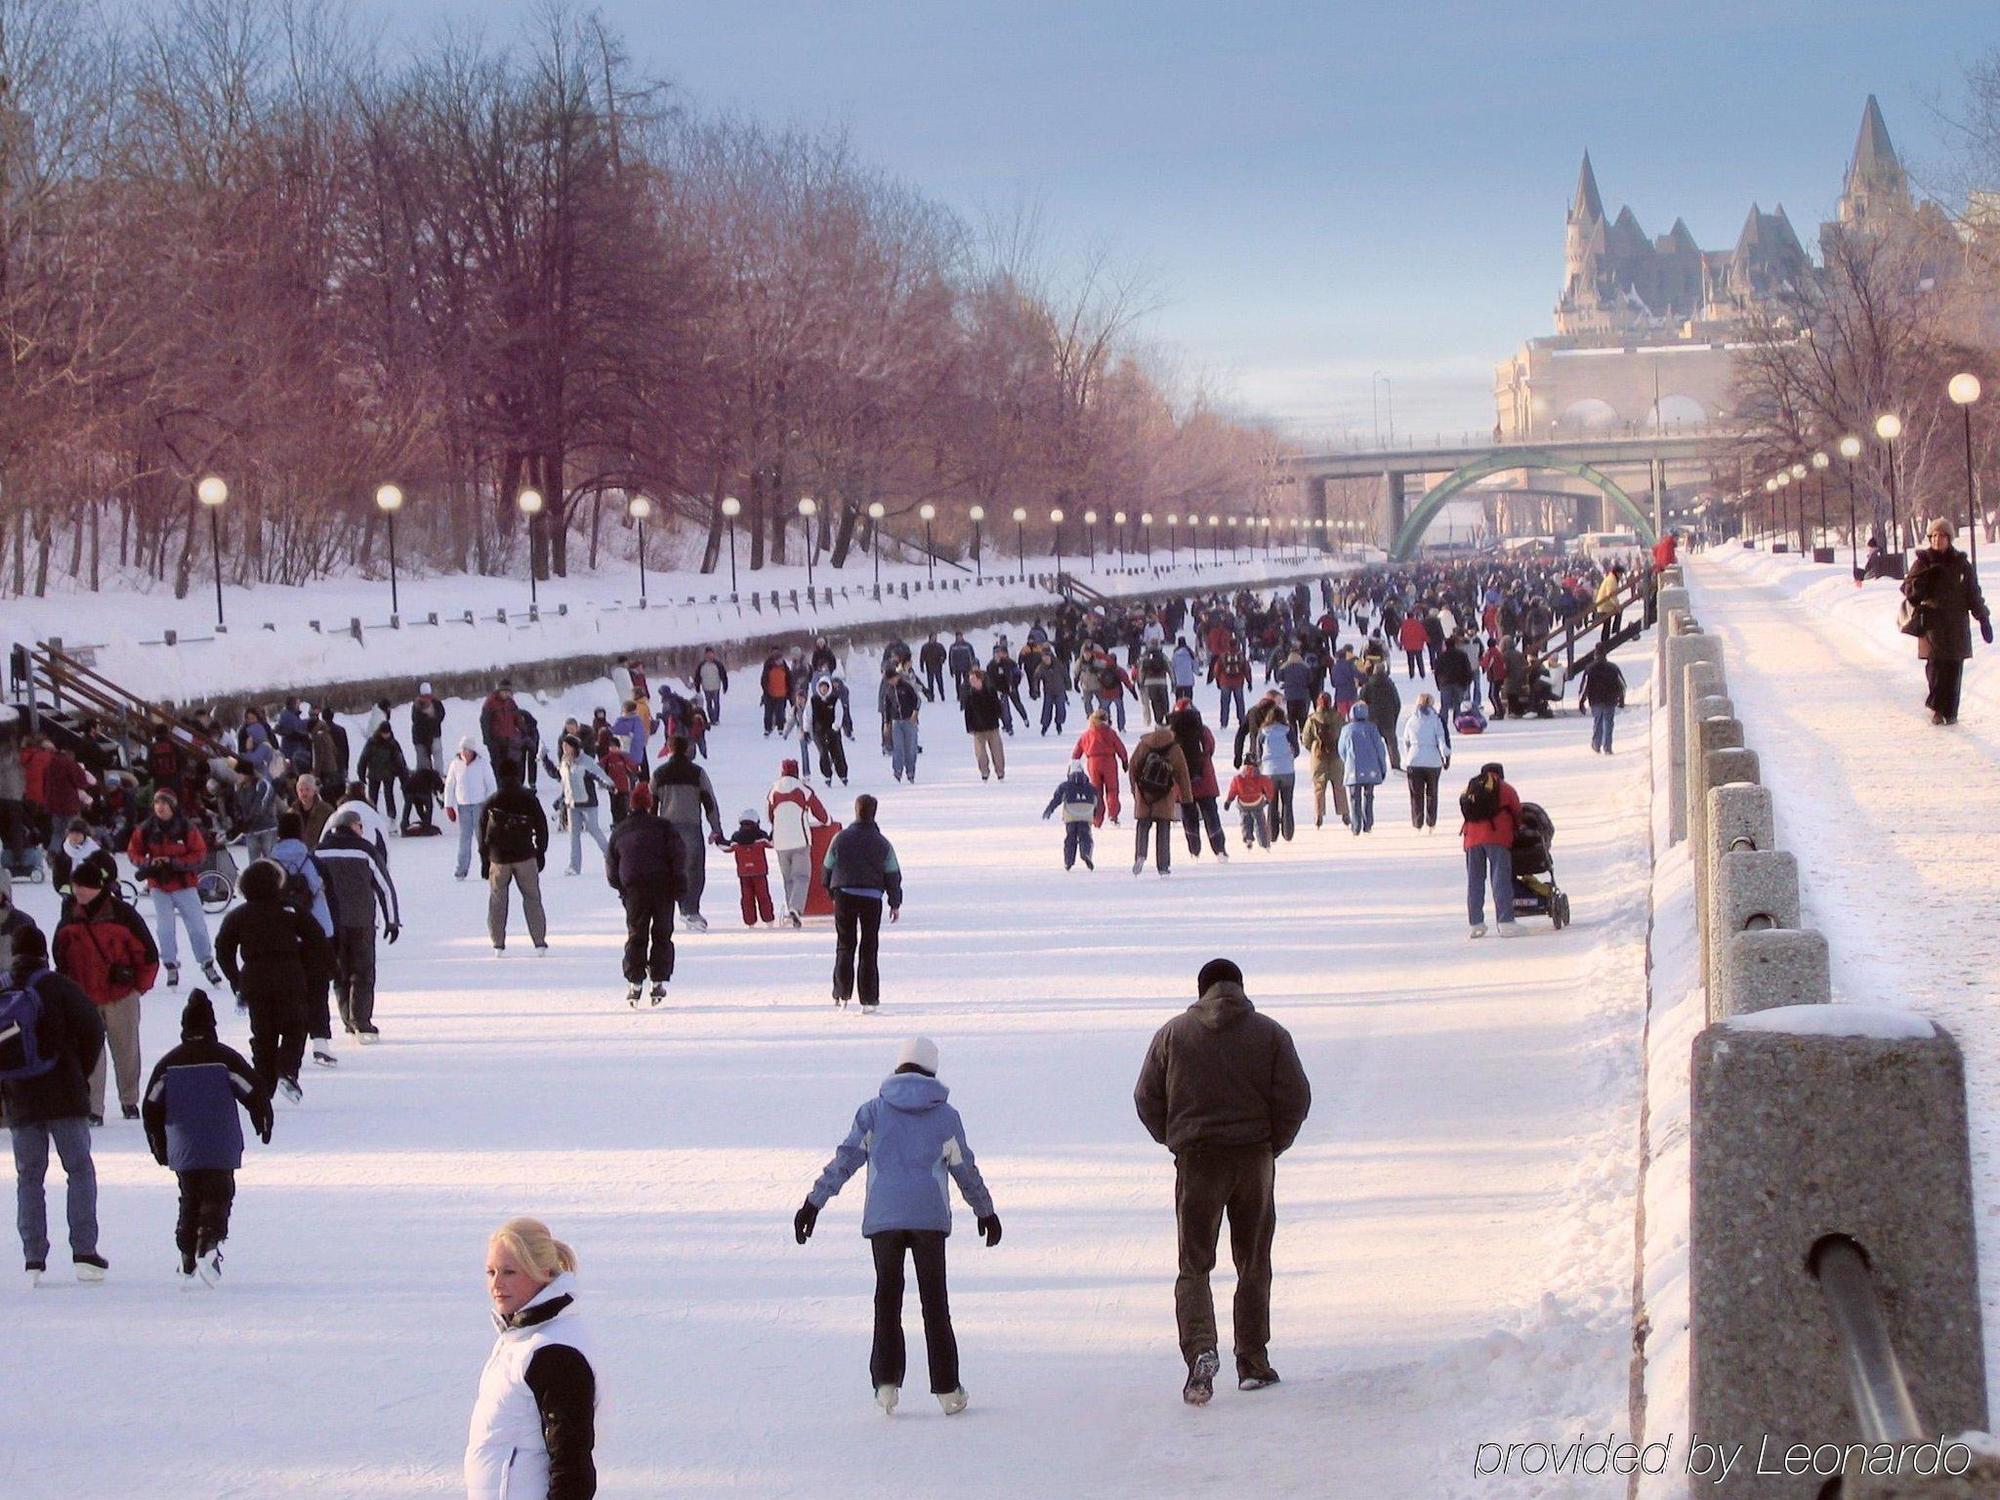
x=1875, y=1381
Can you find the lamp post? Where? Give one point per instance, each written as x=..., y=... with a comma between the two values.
x=1090, y=531
x=1173, y=537
x=1964, y=390
x=212, y=493
x=1145, y=520
x=978, y=514
x=808, y=508
x=1850, y=449
x=929, y=513
x=1799, y=480
x=639, y=508
x=1021, y=538
x=1215, y=540
x=1889, y=427
x=1056, y=520
x=1819, y=463
x=389, y=500
x=530, y=502
x=731, y=509
x=1778, y=527
x=875, y=514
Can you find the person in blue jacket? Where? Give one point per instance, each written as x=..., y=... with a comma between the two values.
x=190, y=1118
x=910, y=1140
x=1079, y=800
x=1365, y=754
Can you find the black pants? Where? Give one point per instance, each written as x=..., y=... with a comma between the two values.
x=887, y=1360
x=1944, y=678
x=649, y=935
x=857, y=927
x=1424, y=795
x=1416, y=662
x=1197, y=811
x=1163, y=846
x=933, y=683
x=1210, y=1182
x=203, y=1223
x=354, y=976
x=383, y=787
x=774, y=715
x=832, y=755
x=277, y=1039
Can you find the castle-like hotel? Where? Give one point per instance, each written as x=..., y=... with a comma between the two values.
x=1645, y=326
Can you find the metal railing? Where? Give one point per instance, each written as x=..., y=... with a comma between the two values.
x=1882, y=1405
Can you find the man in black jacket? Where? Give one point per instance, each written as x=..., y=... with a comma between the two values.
x=983, y=710
x=862, y=873
x=1222, y=1088
x=1601, y=696
x=52, y=1108
x=275, y=958
x=513, y=848
x=358, y=885
x=644, y=865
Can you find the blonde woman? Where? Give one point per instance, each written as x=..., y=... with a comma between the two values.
x=534, y=1423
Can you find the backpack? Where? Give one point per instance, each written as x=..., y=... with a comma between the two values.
x=1154, y=775
x=20, y=1049
x=509, y=828
x=1154, y=663
x=1480, y=801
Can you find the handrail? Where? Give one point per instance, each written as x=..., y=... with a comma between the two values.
x=1632, y=591
x=60, y=672
x=1875, y=1380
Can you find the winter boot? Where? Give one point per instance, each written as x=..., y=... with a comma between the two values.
x=697, y=922
x=1139, y=865
x=173, y=976
x=1257, y=1380
x=90, y=1269
x=1478, y=930
x=953, y=1402
x=370, y=1036
x=130, y=1111
x=885, y=1397
x=1200, y=1385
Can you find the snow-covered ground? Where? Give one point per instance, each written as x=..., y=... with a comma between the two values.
x=272, y=644
x=1454, y=1253
x=1892, y=820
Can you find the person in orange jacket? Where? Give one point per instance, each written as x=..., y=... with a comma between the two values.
x=1103, y=755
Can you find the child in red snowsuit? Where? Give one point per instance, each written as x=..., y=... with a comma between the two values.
x=1251, y=791
x=749, y=844
x=1103, y=755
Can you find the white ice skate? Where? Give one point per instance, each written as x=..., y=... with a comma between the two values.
x=885, y=1397
x=953, y=1402
x=632, y=995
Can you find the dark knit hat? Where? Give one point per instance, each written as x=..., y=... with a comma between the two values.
x=1217, y=971
x=99, y=870
x=197, y=1017
x=31, y=948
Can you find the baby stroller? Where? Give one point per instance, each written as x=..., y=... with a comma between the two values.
x=216, y=885
x=1535, y=890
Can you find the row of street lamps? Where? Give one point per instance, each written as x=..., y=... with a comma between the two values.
x=1964, y=390
x=213, y=493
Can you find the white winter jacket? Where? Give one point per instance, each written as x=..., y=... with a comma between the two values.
x=794, y=810
x=1425, y=746
x=524, y=1399
x=467, y=784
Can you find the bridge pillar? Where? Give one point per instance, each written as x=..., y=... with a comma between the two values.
x=1316, y=511
x=1398, y=509
x=1657, y=470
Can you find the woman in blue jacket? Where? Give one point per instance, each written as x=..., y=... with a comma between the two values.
x=1365, y=754
x=910, y=1139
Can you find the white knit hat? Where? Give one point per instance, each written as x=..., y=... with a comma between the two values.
x=424, y=690
x=922, y=1051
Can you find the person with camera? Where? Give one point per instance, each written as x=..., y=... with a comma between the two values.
x=102, y=946
x=168, y=851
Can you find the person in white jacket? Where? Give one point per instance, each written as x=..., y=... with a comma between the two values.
x=793, y=811
x=468, y=784
x=1426, y=742
x=578, y=775
x=533, y=1434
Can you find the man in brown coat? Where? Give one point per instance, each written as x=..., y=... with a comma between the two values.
x=1222, y=1088
x=1158, y=771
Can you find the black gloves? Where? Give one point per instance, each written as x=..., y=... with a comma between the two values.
x=1986, y=631
x=391, y=933
x=989, y=1226
x=803, y=1221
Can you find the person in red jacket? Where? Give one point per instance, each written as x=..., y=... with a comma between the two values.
x=103, y=948
x=1251, y=790
x=1492, y=812
x=1413, y=638
x=753, y=870
x=1666, y=549
x=1103, y=755
x=168, y=851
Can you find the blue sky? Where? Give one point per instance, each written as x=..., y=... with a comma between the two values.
x=1315, y=192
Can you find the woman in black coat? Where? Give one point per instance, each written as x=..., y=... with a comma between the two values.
x=275, y=957
x=1944, y=592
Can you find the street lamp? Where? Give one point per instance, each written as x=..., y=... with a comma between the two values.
x=638, y=508
x=978, y=514
x=1889, y=427
x=808, y=508
x=1850, y=449
x=530, y=502
x=1215, y=540
x=1819, y=463
x=1964, y=390
x=875, y=514
x=929, y=513
x=1145, y=520
x=1118, y=520
x=1056, y=520
x=212, y=492
x=1021, y=537
x=1090, y=524
x=1173, y=536
x=389, y=500
x=1770, y=499
x=1799, y=479
x=731, y=509
x=1778, y=511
